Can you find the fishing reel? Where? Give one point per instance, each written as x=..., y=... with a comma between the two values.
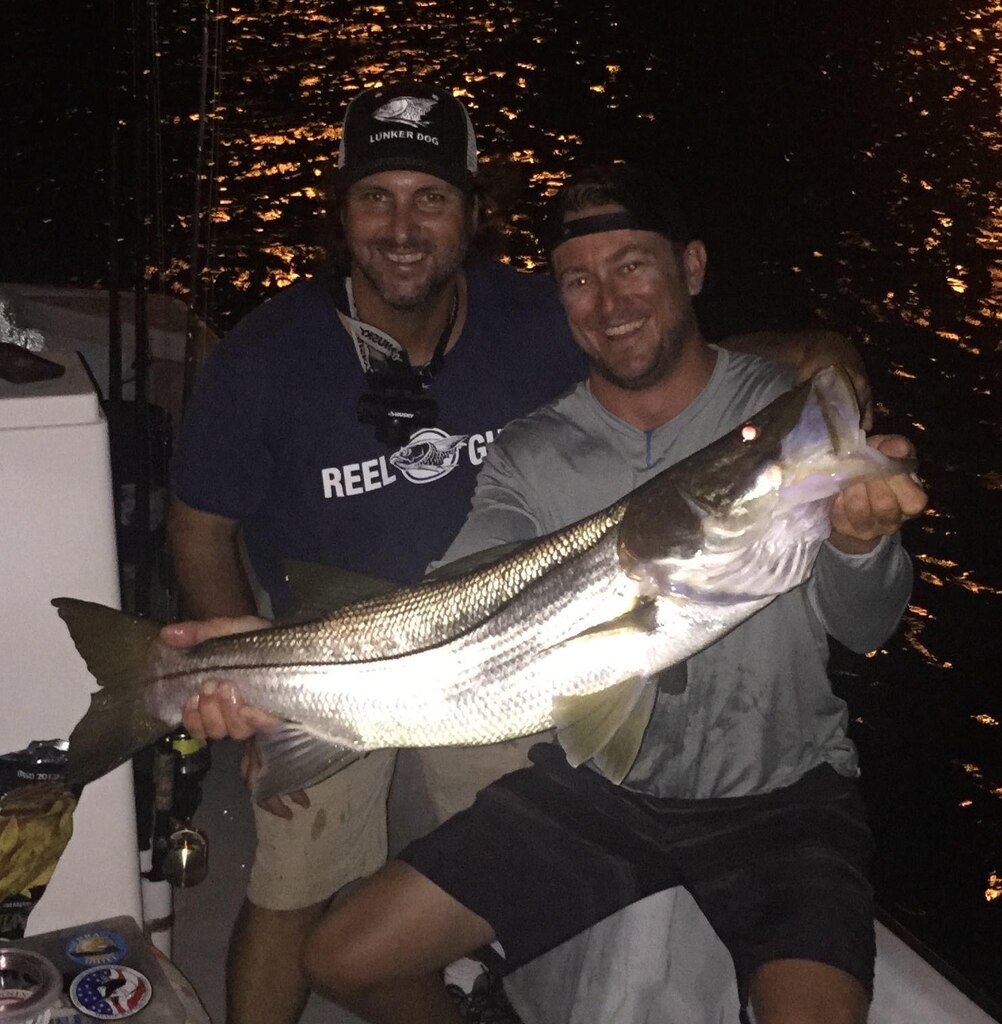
x=180, y=852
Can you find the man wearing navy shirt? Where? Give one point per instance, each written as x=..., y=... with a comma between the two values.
x=344, y=422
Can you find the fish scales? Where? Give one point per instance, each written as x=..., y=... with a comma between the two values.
x=377, y=702
x=405, y=621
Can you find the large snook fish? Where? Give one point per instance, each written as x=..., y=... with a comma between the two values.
x=570, y=630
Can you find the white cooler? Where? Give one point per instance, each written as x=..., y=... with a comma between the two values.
x=57, y=539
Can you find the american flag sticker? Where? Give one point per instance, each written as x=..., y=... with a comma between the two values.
x=110, y=992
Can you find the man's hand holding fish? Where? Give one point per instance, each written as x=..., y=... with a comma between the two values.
x=867, y=511
x=219, y=710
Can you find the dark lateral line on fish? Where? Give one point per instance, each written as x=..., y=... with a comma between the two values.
x=222, y=669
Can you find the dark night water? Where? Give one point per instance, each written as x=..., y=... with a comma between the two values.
x=846, y=162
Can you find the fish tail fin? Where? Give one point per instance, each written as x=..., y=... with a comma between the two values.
x=118, y=723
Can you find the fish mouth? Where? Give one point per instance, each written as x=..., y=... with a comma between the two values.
x=837, y=399
x=774, y=473
x=827, y=447
x=750, y=511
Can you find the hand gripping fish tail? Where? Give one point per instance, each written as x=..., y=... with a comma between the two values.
x=570, y=630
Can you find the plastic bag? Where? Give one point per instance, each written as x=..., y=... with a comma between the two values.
x=36, y=822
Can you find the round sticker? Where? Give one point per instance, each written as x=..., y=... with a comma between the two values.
x=110, y=993
x=94, y=948
x=29, y=985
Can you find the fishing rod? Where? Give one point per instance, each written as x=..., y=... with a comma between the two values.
x=210, y=58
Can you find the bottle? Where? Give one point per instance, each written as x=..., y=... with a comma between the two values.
x=192, y=761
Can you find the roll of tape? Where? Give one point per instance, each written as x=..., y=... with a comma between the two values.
x=30, y=986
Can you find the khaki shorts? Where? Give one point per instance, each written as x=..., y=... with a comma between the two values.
x=342, y=835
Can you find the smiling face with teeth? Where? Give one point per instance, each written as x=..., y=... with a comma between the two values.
x=628, y=298
x=408, y=234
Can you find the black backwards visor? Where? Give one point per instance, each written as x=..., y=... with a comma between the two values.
x=648, y=203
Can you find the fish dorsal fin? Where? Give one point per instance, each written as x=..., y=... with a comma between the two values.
x=293, y=758
x=437, y=611
x=318, y=590
x=478, y=560
x=607, y=727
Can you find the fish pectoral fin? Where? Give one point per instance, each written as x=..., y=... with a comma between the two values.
x=318, y=590
x=607, y=727
x=642, y=618
x=293, y=758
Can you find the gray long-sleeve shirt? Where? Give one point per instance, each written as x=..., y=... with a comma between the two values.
x=758, y=710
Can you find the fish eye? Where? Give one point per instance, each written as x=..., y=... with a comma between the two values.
x=749, y=433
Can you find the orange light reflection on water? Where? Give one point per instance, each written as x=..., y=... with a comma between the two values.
x=994, y=890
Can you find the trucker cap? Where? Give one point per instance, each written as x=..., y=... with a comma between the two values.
x=408, y=126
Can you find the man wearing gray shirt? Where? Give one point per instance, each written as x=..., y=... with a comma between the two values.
x=743, y=790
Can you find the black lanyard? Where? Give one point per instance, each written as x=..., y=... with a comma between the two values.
x=377, y=352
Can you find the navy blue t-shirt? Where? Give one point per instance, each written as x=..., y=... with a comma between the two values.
x=271, y=436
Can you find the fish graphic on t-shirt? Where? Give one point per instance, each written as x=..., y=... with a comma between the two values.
x=429, y=454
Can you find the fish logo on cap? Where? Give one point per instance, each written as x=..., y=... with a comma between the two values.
x=406, y=110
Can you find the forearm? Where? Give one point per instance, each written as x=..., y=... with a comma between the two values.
x=779, y=346
x=807, y=352
x=498, y=515
x=860, y=598
x=796, y=347
x=208, y=563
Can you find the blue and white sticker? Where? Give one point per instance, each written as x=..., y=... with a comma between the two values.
x=110, y=993
x=91, y=949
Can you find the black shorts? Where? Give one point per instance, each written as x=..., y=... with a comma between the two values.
x=548, y=851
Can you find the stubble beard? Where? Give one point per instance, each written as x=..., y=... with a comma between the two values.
x=663, y=362
x=438, y=279
x=427, y=290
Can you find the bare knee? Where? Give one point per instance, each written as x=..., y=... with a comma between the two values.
x=807, y=992
x=396, y=926
x=331, y=962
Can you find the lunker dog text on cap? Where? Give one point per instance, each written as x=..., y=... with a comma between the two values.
x=408, y=126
